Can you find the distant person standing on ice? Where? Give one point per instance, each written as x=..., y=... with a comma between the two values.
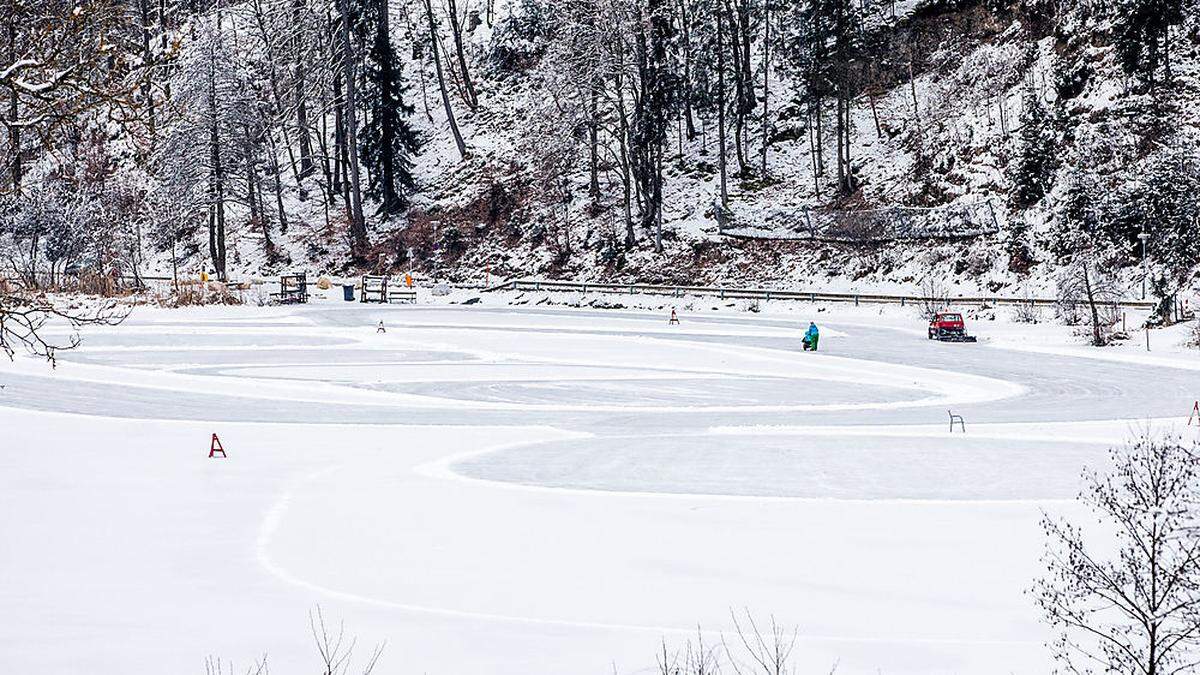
x=812, y=337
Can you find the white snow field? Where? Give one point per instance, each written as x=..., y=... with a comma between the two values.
x=540, y=491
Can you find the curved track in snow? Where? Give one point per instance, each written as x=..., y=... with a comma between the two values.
x=525, y=491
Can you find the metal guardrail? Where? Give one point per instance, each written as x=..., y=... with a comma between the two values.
x=735, y=293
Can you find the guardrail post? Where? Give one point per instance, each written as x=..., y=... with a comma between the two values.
x=584, y=289
x=812, y=297
x=722, y=293
x=856, y=301
x=902, y=301
x=768, y=296
x=537, y=285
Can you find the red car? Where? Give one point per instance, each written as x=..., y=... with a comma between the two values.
x=949, y=327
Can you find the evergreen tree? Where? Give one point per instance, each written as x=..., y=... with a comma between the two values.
x=817, y=41
x=1142, y=34
x=651, y=109
x=1033, y=171
x=388, y=141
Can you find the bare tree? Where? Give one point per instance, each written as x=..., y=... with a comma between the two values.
x=700, y=658
x=1082, y=285
x=721, y=156
x=335, y=648
x=694, y=658
x=213, y=666
x=456, y=30
x=437, y=63
x=935, y=296
x=358, y=227
x=1129, y=603
x=760, y=651
x=25, y=318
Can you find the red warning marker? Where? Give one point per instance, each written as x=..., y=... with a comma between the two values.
x=215, y=448
x=674, y=320
x=1195, y=414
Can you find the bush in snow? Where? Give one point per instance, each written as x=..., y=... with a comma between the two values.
x=520, y=38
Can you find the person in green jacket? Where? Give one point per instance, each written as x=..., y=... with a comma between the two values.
x=812, y=337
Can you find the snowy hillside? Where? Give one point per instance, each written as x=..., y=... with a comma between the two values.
x=990, y=144
x=949, y=140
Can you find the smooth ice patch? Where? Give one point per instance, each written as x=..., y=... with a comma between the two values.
x=821, y=467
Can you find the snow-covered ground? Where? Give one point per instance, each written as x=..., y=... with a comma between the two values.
x=538, y=489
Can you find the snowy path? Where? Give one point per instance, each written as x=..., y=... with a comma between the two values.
x=520, y=491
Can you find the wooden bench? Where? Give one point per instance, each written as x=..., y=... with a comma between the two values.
x=402, y=296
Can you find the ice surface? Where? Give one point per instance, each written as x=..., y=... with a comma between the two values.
x=541, y=491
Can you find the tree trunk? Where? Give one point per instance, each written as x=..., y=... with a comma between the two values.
x=390, y=92
x=301, y=101
x=251, y=177
x=216, y=213
x=687, y=70
x=847, y=131
x=1097, y=337
x=766, y=82
x=721, y=161
x=147, y=59
x=162, y=42
x=358, y=226
x=593, y=149
x=820, y=138
x=747, y=102
x=841, y=145
x=278, y=180
x=437, y=62
x=875, y=115
x=327, y=159
x=739, y=90
x=912, y=84
x=339, y=136
x=812, y=153
x=626, y=173
x=456, y=32
x=650, y=114
x=14, y=132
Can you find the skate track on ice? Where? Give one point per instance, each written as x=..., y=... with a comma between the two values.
x=539, y=491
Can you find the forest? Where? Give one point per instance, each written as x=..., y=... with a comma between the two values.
x=585, y=138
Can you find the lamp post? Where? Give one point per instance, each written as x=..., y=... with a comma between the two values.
x=1143, y=236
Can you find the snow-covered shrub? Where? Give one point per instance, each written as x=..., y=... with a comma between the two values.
x=520, y=38
x=1017, y=246
x=197, y=294
x=452, y=241
x=1027, y=312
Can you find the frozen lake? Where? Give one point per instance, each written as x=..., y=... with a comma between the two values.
x=533, y=492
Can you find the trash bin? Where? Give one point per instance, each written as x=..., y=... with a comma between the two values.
x=348, y=292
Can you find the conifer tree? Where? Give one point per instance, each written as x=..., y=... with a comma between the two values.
x=388, y=141
x=1142, y=35
x=1032, y=173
